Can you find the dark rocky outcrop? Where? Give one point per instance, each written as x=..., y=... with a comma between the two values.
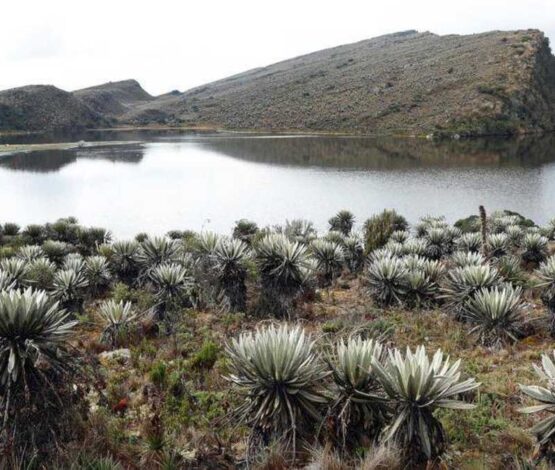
x=45, y=107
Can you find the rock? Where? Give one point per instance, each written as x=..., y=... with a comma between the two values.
x=122, y=355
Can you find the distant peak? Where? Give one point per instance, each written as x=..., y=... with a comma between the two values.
x=129, y=82
x=400, y=34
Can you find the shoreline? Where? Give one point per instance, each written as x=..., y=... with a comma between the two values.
x=11, y=149
x=306, y=132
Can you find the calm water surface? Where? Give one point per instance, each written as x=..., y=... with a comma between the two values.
x=203, y=181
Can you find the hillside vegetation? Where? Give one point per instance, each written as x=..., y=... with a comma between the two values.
x=408, y=83
x=279, y=347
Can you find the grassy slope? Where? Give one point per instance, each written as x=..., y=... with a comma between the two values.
x=404, y=83
x=487, y=437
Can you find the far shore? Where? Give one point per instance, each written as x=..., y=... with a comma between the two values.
x=10, y=149
x=4, y=148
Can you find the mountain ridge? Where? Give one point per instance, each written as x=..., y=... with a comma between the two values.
x=410, y=83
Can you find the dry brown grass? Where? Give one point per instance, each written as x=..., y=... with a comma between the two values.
x=486, y=437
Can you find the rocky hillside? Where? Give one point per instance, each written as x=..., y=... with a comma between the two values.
x=40, y=107
x=407, y=83
x=114, y=99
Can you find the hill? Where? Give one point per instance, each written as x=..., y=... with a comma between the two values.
x=114, y=99
x=409, y=82
x=45, y=107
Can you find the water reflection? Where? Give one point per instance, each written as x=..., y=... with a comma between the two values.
x=207, y=181
x=47, y=161
x=302, y=151
x=388, y=154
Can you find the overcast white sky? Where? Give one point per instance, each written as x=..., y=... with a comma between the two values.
x=167, y=44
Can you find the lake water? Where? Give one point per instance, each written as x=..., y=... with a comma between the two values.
x=208, y=181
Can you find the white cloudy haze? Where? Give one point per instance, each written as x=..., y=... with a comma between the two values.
x=170, y=45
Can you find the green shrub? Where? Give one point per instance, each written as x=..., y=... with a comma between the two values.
x=91, y=238
x=34, y=234
x=141, y=237
x=159, y=374
x=6, y=252
x=469, y=224
x=64, y=230
x=206, y=356
x=56, y=251
x=176, y=234
x=332, y=326
x=142, y=299
x=379, y=228
x=245, y=230
x=11, y=229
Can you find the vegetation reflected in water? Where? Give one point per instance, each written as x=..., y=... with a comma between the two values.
x=187, y=180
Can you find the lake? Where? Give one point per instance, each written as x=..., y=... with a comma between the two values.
x=199, y=181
